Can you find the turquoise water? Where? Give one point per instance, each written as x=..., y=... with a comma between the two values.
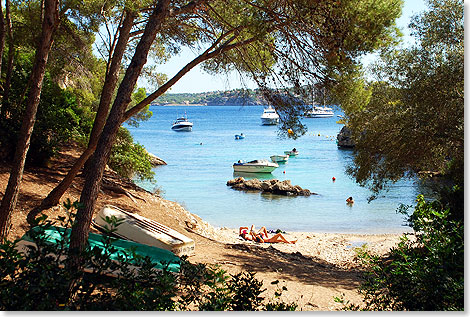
x=200, y=164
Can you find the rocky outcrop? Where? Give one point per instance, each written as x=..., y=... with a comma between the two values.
x=274, y=186
x=344, y=138
x=155, y=160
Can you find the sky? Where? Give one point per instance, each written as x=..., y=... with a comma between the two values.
x=199, y=81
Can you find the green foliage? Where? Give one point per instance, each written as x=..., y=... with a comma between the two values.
x=215, y=98
x=59, y=118
x=413, y=120
x=143, y=115
x=130, y=159
x=40, y=279
x=426, y=273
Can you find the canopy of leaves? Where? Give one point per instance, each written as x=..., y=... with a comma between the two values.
x=283, y=45
x=414, y=118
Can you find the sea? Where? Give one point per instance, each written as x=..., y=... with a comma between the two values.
x=200, y=164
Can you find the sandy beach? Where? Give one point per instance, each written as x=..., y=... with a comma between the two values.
x=317, y=268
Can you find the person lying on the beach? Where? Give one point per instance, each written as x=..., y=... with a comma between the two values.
x=262, y=236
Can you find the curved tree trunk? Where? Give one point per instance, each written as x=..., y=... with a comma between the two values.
x=54, y=196
x=49, y=25
x=94, y=175
x=106, y=95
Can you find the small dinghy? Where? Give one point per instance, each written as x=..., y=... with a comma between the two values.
x=294, y=152
x=279, y=158
x=239, y=136
x=143, y=230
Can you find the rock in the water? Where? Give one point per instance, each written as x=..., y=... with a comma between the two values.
x=155, y=160
x=344, y=138
x=269, y=186
x=239, y=180
x=254, y=184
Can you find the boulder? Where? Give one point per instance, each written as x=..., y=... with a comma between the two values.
x=344, y=139
x=254, y=184
x=155, y=160
x=282, y=187
x=239, y=180
x=266, y=186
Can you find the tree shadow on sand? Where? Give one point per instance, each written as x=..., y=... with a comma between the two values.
x=294, y=266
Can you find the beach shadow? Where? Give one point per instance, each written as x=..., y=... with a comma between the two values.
x=294, y=266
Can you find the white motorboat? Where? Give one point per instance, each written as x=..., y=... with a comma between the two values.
x=293, y=152
x=182, y=124
x=269, y=116
x=319, y=112
x=256, y=166
x=146, y=231
x=279, y=158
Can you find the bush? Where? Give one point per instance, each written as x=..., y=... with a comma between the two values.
x=130, y=159
x=59, y=118
x=40, y=279
x=426, y=274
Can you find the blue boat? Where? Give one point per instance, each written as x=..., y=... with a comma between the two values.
x=161, y=258
x=239, y=136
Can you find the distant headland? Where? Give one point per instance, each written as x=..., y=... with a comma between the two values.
x=236, y=97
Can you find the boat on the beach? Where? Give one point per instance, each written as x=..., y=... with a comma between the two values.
x=161, y=258
x=279, y=158
x=319, y=112
x=146, y=231
x=292, y=152
x=182, y=124
x=239, y=136
x=269, y=116
x=256, y=166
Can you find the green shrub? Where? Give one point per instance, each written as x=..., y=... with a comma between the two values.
x=130, y=159
x=422, y=274
x=59, y=118
x=40, y=279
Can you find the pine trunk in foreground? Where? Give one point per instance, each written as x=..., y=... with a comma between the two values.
x=49, y=25
x=94, y=174
x=105, y=100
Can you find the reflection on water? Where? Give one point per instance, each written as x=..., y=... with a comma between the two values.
x=270, y=196
x=253, y=175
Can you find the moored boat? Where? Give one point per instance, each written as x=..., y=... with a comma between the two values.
x=269, y=116
x=256, y=166
x=319, y=112
x=279, y=158
x=182, y=124
x=293, y=152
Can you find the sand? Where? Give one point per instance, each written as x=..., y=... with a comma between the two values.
x=319, y=267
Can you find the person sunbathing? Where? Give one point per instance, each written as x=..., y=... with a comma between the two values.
x=262, y=236
x=244, y=233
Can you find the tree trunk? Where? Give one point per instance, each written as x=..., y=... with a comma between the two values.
x=106, y=95
x=54, y=196
x=2, y=34
x=9, y=69
x=94, y=175
x=49, y=25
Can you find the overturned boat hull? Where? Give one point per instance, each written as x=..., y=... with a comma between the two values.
x=143, y=230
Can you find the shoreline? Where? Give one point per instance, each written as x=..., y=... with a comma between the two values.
x=317, y=268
